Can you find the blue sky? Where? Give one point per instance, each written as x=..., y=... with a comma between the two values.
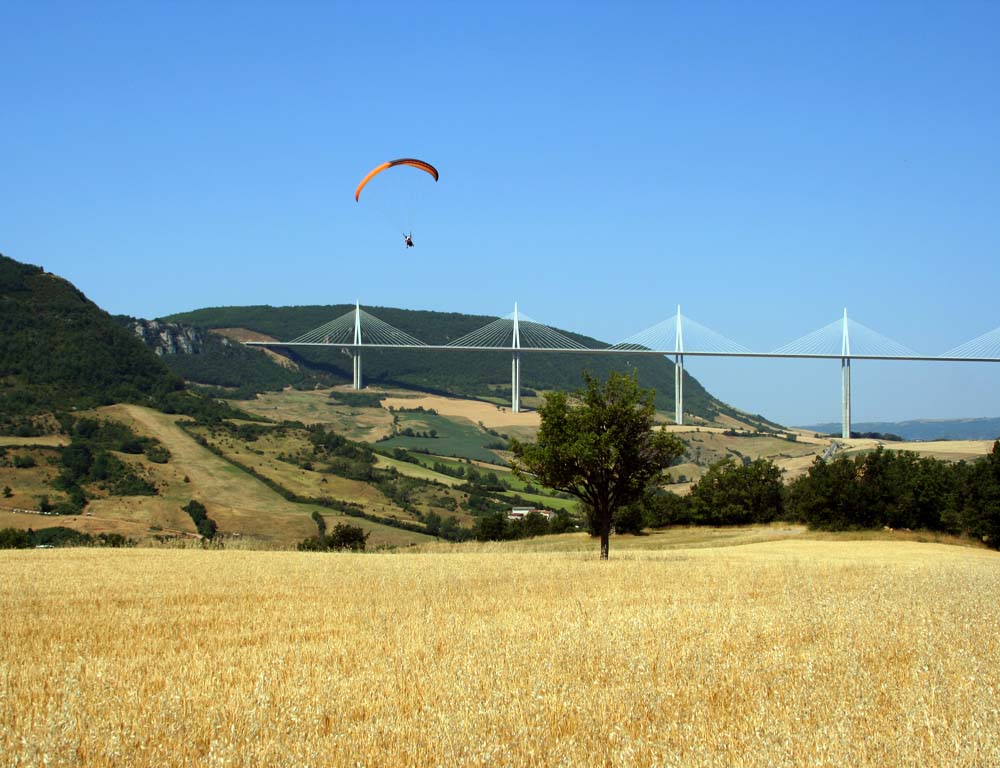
x=762, y=164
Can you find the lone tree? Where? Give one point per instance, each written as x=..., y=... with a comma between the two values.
x=605, y=451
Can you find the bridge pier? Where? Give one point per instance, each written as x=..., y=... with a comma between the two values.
x=845, y=397
x=515, y=383
x=679, y=389
x=357, y=369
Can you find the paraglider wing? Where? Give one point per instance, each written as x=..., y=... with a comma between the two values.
x=402, y=161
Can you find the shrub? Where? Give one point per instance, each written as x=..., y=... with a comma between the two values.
x=11, y=538
x=320, y=524
x=736, y=494
x=890, y=488
x=629, y=519
x=346, y=536
x=157, y=454
x=663, y=508
x=206, y=526
x=534, y=524
x=492, y=527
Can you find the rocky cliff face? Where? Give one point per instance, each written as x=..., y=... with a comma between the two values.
x=170, y=338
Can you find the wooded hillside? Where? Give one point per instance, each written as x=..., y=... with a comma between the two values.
x=59, y=350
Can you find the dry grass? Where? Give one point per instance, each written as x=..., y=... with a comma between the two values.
x=946, y=450
x=416, y=470
x=316, y=407
x=772, y=654
x=45, y=441
x=262, y=456
x=237, y=501
x=27, y=485
x=475, y=411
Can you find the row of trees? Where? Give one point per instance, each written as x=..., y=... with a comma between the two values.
x=892, y=489
x=605, y=451
x=902, y=490
x=59, y=536
x=497, y=526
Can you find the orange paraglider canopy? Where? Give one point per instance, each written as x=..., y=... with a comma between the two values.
x=402, y=161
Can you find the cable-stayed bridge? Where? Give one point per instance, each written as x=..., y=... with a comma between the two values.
x=678, y=336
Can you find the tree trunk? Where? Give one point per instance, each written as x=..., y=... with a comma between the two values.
x=605, y=532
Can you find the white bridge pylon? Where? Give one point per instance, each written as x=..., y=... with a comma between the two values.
x=354, y=330
x=845, y=338
x=848, y=339
x=516, y=332
x=677, y=334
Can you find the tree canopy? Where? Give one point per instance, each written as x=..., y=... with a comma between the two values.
x=605, y=450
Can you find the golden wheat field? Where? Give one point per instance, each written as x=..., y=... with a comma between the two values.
x=770, y=654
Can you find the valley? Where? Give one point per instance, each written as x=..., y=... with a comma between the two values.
x=262, y=481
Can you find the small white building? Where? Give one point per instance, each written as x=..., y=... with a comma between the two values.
x=519, y=513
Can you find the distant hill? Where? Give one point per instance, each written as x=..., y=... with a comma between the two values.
x=485, y=374
x=59, y=350
x=923, y=429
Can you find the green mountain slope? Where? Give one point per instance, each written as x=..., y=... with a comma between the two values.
x=58, y=350
x=480, y=374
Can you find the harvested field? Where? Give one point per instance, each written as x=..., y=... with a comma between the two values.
x=778, y=653
x=946, y=450
x=476, y=411
x=316, y=407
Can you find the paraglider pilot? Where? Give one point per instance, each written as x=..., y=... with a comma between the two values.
x=408, y=239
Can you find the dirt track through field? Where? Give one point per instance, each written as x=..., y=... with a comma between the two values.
x=236, y=500
x=208, y=473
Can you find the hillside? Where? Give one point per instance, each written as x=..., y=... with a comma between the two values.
x=60, y=350
x=484, y=375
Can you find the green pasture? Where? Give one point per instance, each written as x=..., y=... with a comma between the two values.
x=544, y=502
x=517, y=485
x=419, y=471
x=455, y=437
